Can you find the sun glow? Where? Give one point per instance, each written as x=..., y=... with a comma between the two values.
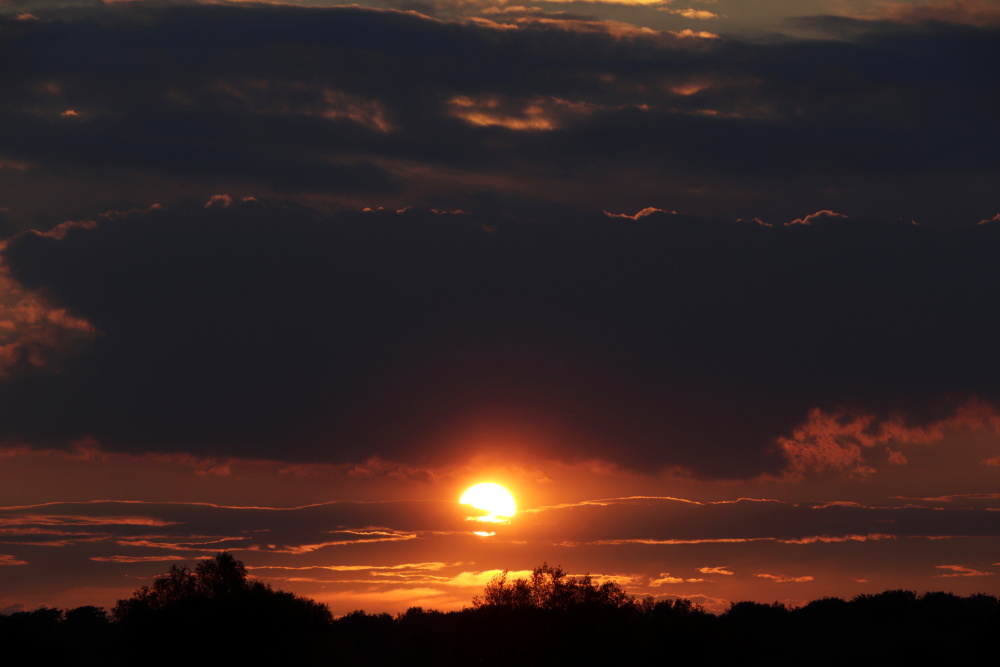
x=493, y=499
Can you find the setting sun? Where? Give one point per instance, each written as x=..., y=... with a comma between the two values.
x=491, y=498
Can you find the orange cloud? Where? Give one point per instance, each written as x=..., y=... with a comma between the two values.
x=34, y=332
x=808, y=539
x=666, y=579
x=781, y=579
x=136, y=559
x=699, y=14
x=194, y=543
x=219, y=201
x=605, y=502
x=620, y=579
x=813, y=539
x=7, y=559
x=34, y=530
x=649, y=210
x=817, y=216
x=61, y=543
x=845, y=441
x=687, y=33
x=538, y=113
x=962, y=571
x=363, y=537
x=715, y=570
x=707, y=540
x=825, y=443
x=512, y=9
x=480, y=579
x=80, y=520
x=617, y=29
x=895, y=457
x=743, y=500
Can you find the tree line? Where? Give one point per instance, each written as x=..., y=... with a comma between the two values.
x=215, y=614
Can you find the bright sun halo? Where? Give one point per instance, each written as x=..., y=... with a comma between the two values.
x=491, y=498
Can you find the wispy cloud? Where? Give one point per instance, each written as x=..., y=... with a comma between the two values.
x=665, y=579
x=690, y=13
x=962, y=571
x=813, y=539
x=783, y=579
x=138, y=559
x=7, y=559
x=649, y=210
x=360, y=537
x=80, y=520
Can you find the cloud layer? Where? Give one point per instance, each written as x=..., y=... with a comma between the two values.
x=730, y=349
x=132, y=103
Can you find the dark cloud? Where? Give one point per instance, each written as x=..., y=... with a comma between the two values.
x=269, y=330
x=668, y=521
x=887, y=119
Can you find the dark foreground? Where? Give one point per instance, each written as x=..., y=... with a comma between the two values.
x=216, y=616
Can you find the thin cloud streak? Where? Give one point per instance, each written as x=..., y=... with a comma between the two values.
x=7, y=559
x=782, y=579
x=962, y=571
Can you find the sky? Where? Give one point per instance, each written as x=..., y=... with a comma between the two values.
x=710, y=287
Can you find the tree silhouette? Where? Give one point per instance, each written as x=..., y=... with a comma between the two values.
x=543, y=612
x=219, y=614
x=215, y=615
x=551, y=588
x=221, y=576
x=171, y=588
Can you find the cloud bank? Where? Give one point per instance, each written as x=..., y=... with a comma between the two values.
x=353, y=107
x=260, y=329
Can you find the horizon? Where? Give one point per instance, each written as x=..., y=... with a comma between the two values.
x=504, y=577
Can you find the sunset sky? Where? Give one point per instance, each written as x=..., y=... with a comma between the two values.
x=711, y=286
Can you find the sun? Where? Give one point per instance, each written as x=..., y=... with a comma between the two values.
x=493, y=499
